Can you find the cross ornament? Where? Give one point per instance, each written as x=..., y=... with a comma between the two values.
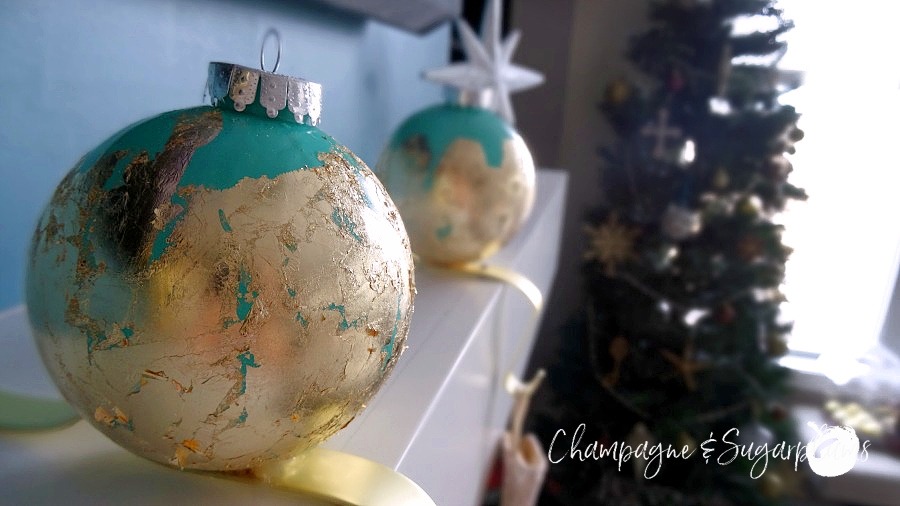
x=661, y=131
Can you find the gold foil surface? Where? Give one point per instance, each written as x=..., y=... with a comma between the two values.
x=471, y=208
x=276, y=311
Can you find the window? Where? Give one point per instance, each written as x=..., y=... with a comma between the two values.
x=846, y=238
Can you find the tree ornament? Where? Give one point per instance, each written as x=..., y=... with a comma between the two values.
x=660, y=132
x=725, y=314
x=687, y=154
x=776, y=345
x=686, y=441
x=680, y=223
x=618, y=92
x=216, y=287
x=665, y=308
x=723, y=75
x=771, y=484
x=661, y=256
x=693, y=316
x=719, y=106
x=778, y=411
x=749, y=206
x=721, y=180
x=618, y=350
x=461, y=175
x=778, y=168
x=676, y=81
x=489, y=65
x=750, y=248
x=640, y=435
x=791, y=135
x=611, y=244
x=685, y=365
x=795, y=134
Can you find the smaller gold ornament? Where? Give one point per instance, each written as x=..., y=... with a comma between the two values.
x=460, y=174
x=463, y=180
x=611, y=244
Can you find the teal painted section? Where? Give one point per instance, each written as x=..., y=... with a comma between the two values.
x=129, y=425
x=246, y=360
x=86, y=251
x=84, y=69
x=149, y=135
x=389, y=347
x=161, y=242
x=223, y=220
x=441, y=125
x=344, y=324
x=247, y=146
x=242, y=417
x=345, y=223
x=250, y=146
x=444, y=232
x=245, y=297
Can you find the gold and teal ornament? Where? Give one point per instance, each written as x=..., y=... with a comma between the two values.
x=463, y=179
x=461, y=175
x=217, y=287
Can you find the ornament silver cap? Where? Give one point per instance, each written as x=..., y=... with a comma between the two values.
x=243, y=86
x=484, y=98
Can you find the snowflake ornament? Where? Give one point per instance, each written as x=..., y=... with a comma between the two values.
x=611, y=244
x=489, y=64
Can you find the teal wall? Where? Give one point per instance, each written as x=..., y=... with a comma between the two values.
x=76, y=71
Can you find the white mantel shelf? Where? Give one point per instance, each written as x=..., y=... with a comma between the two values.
x=437, y=419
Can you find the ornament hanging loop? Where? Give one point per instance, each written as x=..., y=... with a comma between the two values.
x=271, y=32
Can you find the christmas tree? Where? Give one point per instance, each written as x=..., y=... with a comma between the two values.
x=680, y=332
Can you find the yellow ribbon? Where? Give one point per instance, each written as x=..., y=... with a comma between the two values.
x=518, y=281
x=343, y=479
x=508, y=276
x=22, y=412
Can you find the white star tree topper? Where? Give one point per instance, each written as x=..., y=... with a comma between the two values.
x=489, y=64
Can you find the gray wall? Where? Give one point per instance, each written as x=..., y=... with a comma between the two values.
x=580, y=45
x=74, y=72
